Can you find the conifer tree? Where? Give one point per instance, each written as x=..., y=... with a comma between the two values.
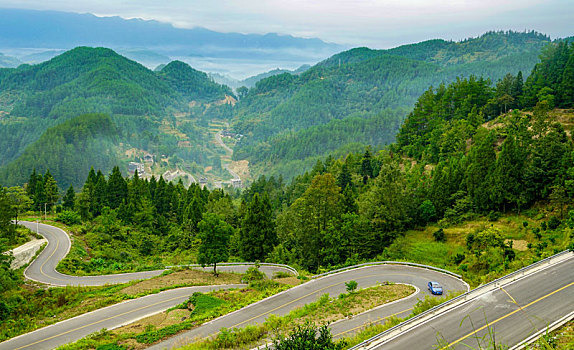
x=366, y=166
x=7, y=214
x=117, y=188
x=69, y=199
x=257, y=236
x=344, y=178
x=50, y=190
x=481, y=161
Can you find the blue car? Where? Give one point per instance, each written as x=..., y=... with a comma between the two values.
x=435, y=288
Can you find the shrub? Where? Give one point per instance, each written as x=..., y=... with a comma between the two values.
x=351, y=286
x=458, y=258
x=509, y=254
x=493, y=216
x=253, y=274
x=439, y=235
x=553, y=223
x=112, y=346
x=305, y=337
x=69, y=217
x=281, y=274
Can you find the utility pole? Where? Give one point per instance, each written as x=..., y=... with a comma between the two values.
x=45, y=204
x=37, y=226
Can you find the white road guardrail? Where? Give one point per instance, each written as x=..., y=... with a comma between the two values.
x=287, y=267
x=389, y=263
x=423, y=317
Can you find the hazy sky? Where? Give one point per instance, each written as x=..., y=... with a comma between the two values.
x=373, y=23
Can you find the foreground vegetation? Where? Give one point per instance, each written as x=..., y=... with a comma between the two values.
x=33, y=306
x=206, y=306
x=200, y=308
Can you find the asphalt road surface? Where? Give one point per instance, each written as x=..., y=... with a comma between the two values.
x=333, y=285
x=110, y=317
x=43, y=268
x=504, y=316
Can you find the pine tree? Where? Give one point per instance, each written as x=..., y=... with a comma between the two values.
x=69, y=199
x=507, y=184
x=366, y=166
x=257, y=236
x=481, y=161
x=7, y=214
x=344, y=178
x=117, y=188
x=349, y=203
x=50, y=190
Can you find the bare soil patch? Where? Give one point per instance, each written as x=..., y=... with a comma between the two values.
x=291, y=281
x=519, y=244
x=241, y=168
x=187, y=277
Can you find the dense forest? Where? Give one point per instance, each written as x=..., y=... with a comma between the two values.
x=288, y=121
x=365, y=83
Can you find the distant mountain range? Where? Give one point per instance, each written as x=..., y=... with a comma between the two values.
x=251, y=81
x=51, y=30
x=288, y=120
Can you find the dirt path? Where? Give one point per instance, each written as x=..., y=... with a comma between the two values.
x=230, y=153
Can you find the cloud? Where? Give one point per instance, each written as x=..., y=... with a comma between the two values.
x=375, y=23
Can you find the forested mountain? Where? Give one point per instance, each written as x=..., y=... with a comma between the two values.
x=68, y=150
x=363, y=83
x=251, y=81
x=192, y=84
x=140, y=102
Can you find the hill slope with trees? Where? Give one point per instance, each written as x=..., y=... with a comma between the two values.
x=367, y=84
x=142, y=105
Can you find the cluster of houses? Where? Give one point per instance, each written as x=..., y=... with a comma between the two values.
x=133, y=166
x=227, y=133
x=148, y=158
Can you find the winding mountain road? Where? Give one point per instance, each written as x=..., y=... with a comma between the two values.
x=43, y=270
x=512, y=311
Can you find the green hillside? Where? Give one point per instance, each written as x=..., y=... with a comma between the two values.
x=68, y=150
x=365, y=83
x=192, y=84
x=151, y=110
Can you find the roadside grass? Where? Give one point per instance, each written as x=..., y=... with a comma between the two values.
x=33, y=306
x=324, y=310
x=371, y=330
x=90, y=257
x=560, y=339
x=22, y=236
x=206, y=307
x=530, y=243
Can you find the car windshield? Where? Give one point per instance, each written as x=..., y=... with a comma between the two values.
x=435, y=285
